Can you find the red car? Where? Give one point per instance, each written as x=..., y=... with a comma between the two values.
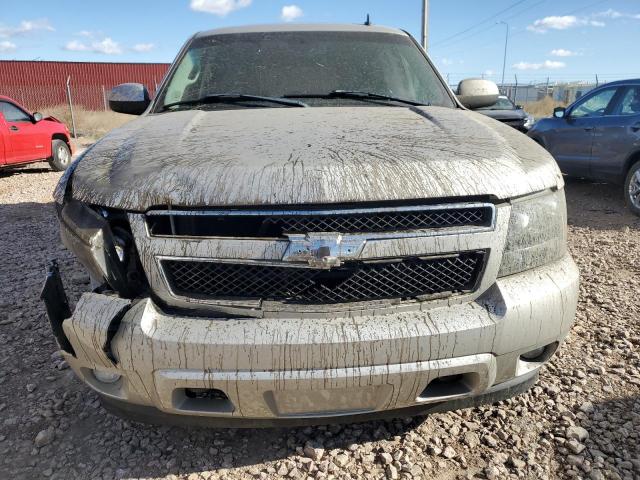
x=26, y=137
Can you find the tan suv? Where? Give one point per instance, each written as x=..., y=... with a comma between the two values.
x=306, y=225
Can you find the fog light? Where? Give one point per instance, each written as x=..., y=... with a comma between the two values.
x=533, y=355
x=105, y=376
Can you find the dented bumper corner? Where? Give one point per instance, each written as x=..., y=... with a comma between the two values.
x=320, y=367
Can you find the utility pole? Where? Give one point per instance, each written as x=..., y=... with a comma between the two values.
x=506, y=43
x=73, y=118
x=424, y=40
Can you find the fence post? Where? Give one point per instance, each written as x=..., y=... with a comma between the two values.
x=104, y=98
x=73, y=120
x=546, y=90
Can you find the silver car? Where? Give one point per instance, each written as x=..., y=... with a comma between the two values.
x=598, y=137
x=306, y=225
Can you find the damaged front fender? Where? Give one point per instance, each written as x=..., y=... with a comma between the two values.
x=88, y=235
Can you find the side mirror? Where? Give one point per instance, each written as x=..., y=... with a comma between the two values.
x=477, y=93
x=129, y=98
x=37, y=116
x=559, y=112
x=519, y=107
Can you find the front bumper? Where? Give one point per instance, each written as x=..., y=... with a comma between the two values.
x=317, y=368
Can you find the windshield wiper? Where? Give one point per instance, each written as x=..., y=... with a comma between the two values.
x=357, y=94
x=232, y=98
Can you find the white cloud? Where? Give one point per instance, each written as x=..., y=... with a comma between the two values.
x=26, y=27
x=615, y=14
x=6, y=46
x=446, y=61
x=561, y=52
x=106, y=46
x=564, y=22
x=143, y=47
x=547, y=65
x=553, y=23
x=76, y=46
x=489, y=73
x=291, y=12
x=218, y=7
x=611, y=13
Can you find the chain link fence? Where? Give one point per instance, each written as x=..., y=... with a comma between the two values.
x=537, y=88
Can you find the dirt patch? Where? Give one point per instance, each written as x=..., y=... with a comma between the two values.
x=582, y=420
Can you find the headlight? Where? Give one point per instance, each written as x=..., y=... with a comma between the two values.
x=537, y=233
x=529, y=121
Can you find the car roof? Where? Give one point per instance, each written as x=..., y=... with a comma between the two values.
x=631, y=81
x=302, y=27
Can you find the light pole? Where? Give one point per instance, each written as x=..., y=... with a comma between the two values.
x=424, y=40
x=506, y=43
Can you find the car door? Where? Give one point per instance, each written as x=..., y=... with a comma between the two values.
x=617, y=136
x=571, y=138
x=25, y=138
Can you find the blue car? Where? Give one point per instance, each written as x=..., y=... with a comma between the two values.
x=598, y=137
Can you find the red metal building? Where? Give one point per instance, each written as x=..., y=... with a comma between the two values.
x=38, y=84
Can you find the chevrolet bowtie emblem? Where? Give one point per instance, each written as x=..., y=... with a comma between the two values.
x=323, y=250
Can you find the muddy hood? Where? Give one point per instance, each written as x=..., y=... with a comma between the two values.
x=286, y=156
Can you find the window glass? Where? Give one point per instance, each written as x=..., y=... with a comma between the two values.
x=630, y=104
x=503, y=103
x=594, y=106
x=305, y=63
x=13, y=114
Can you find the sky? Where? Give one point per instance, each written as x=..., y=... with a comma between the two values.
x=555, y=39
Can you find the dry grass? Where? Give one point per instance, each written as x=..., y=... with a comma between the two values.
x=90, y=125
x=543, y=108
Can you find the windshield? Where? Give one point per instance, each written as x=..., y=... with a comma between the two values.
x=503, y=103
x=279, y=64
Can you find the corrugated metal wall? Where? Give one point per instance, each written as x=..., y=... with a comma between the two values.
x=43, y=84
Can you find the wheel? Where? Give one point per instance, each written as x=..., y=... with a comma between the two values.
x=632, y=189
x=61, y=155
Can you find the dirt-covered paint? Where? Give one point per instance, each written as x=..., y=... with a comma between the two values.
x=296, y=156
x=267, y=365
x=275, y=360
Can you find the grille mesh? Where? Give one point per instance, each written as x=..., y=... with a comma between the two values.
x=354, y=281
x=278, y=225
x=380, y=222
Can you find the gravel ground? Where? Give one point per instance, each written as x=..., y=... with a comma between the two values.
x=582, y=420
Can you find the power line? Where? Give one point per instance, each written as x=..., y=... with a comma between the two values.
x=479, y=23
x=516, y=14
x=586, y=6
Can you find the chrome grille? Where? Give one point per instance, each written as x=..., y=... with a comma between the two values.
x=354, y=281
x=257, y=223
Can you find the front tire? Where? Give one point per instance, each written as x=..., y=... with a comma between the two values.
x=60, y=156
x=632, y=188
